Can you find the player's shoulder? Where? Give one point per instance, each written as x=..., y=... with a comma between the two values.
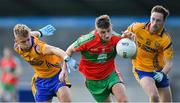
x=87, y=37
x=34, y=37
x=115, y=38
x=166, y=35
x=138, y=25
x=35, y=34
x=37, y=41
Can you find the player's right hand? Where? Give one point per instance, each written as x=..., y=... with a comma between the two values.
x=47, y=30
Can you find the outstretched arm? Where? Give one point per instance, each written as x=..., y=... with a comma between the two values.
x=49, y=50
x=70, y=62
x=47, y=31
x=63, y=75
x=70, y=50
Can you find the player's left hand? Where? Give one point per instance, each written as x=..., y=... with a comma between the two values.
x=47, y=30
x=71, y=64
x=158, y=76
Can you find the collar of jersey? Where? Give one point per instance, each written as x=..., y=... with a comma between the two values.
x=160, y=32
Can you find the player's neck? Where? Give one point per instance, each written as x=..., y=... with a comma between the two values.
x=155, y=31
x=26, y=49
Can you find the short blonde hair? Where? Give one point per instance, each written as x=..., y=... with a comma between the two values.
x=21, y=30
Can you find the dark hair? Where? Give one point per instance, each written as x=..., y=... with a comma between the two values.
x=160, y=9
x=103, y=22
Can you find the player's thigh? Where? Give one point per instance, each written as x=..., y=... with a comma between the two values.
x=149, y=86
x=118, y=91
x=165, y=94
x=63, y=94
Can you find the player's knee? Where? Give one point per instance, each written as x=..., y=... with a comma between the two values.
x=122, y=98
x=64, y=96
x=154, y=97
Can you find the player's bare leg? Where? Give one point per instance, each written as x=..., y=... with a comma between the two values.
x=49, y=101
x=118, y=91
x=108, y=100
x=150, y=88
x=63, y=94
x=165, y=94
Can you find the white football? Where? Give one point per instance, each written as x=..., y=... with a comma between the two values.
x=126, y=48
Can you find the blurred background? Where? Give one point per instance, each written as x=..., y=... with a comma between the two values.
x=72, y=18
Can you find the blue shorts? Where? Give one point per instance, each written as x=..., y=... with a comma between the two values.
x=140, y=74
x=45, y=88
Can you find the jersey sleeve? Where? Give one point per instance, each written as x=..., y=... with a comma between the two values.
x=168, y=48
x=135, y=26
x=35, y=34
x=79, y=45
x=130, y=28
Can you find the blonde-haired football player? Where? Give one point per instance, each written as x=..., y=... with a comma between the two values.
x=46, y=61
